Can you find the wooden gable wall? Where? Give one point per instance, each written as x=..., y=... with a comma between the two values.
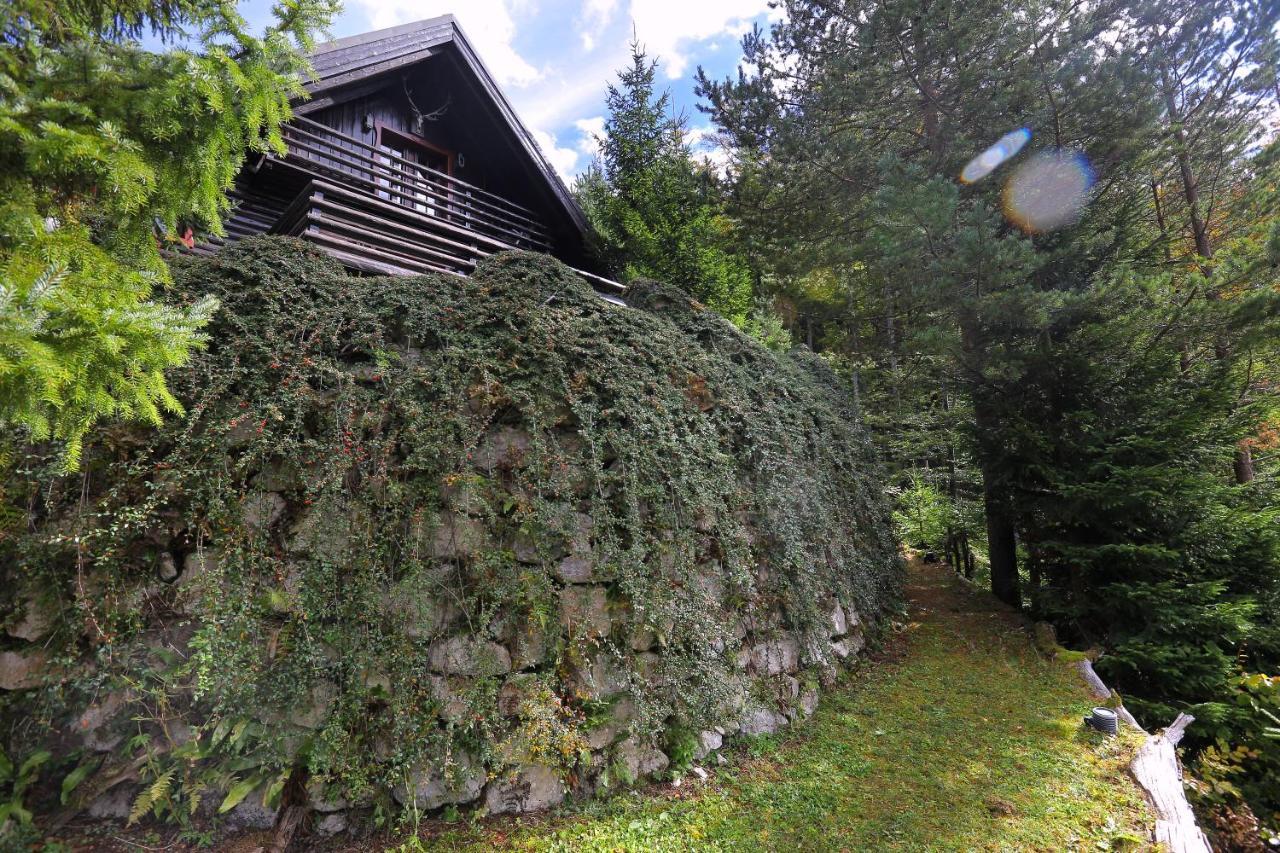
x=490, y=158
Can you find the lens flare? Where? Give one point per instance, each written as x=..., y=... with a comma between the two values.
x=988, y=161
x=1048, y=191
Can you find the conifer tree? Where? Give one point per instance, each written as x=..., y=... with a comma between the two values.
x=1214, y=63
x=849, y=140
x=657, y=211
x=109, y=152
x=1103, y=371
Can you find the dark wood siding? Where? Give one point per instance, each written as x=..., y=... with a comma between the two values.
x=487, y=150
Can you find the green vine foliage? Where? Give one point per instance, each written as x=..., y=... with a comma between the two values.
x=371, y=466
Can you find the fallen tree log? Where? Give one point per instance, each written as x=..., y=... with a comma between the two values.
x=1100, y=691
x=1158, y=772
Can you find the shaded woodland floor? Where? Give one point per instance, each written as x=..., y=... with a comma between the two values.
x=957, y=735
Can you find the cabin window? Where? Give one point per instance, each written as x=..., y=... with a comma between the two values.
x=417, y=173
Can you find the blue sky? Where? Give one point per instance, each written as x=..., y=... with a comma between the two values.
x=554, y=57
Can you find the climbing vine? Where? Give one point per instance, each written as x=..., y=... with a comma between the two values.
x=390, y=493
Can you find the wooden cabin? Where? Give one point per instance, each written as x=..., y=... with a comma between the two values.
x=407, y=158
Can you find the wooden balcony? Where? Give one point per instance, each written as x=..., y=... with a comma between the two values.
x=379, y=212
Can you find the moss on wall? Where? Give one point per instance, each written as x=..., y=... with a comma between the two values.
x=436, y=541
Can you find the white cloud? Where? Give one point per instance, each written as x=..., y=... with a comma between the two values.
x=705, y=143
x=565, y=160
x=668, y=27
x=488, y=24
x=574, y=49
x=596, y=16
x=564, y=94
x=591, y=129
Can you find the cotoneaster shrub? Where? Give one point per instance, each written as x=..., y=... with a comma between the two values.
x=370, y=466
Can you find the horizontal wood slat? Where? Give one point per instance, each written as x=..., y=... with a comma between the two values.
x=324, y=152
x=371, y=234
x=384, y=235
x=316, y=126
x=368, y=173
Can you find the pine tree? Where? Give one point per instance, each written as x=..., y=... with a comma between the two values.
x=1104, y=370
x=657, y=211
x=1214, y=61
x=108, y=151
x=849, y=141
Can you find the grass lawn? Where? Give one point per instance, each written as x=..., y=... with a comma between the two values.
x=958, y=736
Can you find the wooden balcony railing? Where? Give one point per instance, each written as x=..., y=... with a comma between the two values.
x=436, y=200
x=369, y=233
x=378, y=212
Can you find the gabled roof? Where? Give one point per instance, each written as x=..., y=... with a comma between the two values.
x=350, y=67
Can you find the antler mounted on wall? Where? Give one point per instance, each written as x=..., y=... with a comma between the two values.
x=419, y=117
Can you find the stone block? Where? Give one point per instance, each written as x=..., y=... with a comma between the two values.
x=602, y=678
x=313, y=710
x=529, y=789
x=320, y=800
x=24, y=669
x=848, y=645
x=166, y=567
x=640, y=759
x=649, y=669
x=503, y=447
x=279, y=475
x=615, y=724
x=774, y=657
x=761, y=721
x=808, y=702
x=430, y=787
x=196, y=563
x=114, y=804
x=94, y=724
x=322, y=533
x=453, y=708
x=261, y=510
x=584, y=610
x=458, y=537
x=470, y=657
x=576, y=568
x=708, y=742
x=250, y=814
x=530, y=646
x=415, y=611
x=331, y=825
x=839, y=623
x=37, y=620
x=643, y=638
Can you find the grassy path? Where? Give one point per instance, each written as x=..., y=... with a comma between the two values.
x=959, y=737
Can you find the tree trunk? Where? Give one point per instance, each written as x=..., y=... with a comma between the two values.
x=1001, y=545
x=1033, y=579
x=955, y=555
x=1204, y=248
x=1244, y=463
x=1157, y=770
x=1001, y=540
x=1190, y=187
